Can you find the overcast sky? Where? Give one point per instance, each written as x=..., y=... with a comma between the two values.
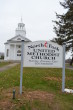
x=37, y=16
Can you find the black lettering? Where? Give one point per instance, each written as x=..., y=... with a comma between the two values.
x=29, y=53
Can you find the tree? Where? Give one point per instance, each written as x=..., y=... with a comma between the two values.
x=64, y=26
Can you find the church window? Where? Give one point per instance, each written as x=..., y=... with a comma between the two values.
x=7, y=54
x=19, y=53
x=19, y=46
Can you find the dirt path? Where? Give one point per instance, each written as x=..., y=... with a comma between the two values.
x=14, y=64
x=8, y=67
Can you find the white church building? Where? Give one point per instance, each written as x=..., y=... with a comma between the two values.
x=13, y=45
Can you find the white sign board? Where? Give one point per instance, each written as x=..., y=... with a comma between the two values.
x=43, y=54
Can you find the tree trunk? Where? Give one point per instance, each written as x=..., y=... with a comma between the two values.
x=71, y=61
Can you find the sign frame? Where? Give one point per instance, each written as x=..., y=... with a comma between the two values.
x=51, y=54
x=63, y=67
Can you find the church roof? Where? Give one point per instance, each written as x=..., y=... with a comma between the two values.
x=17, y=38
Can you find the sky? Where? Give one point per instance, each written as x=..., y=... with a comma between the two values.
x=37, y=16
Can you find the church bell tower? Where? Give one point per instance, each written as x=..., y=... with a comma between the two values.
x=20, y=30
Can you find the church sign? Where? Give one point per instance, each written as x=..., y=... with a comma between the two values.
x=43, y=54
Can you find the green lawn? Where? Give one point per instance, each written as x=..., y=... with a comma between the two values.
x=4, y=63
x=41, y=89
x=67, y=64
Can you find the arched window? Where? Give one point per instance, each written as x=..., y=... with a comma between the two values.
x=19, y=53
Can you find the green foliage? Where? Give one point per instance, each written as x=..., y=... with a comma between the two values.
x=2, y=57
x=64, y=25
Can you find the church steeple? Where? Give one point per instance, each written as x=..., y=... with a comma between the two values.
x=21, y=29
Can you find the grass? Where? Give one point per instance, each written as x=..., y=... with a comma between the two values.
x=4, y=63
x=41, y=89
x=67, y=64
